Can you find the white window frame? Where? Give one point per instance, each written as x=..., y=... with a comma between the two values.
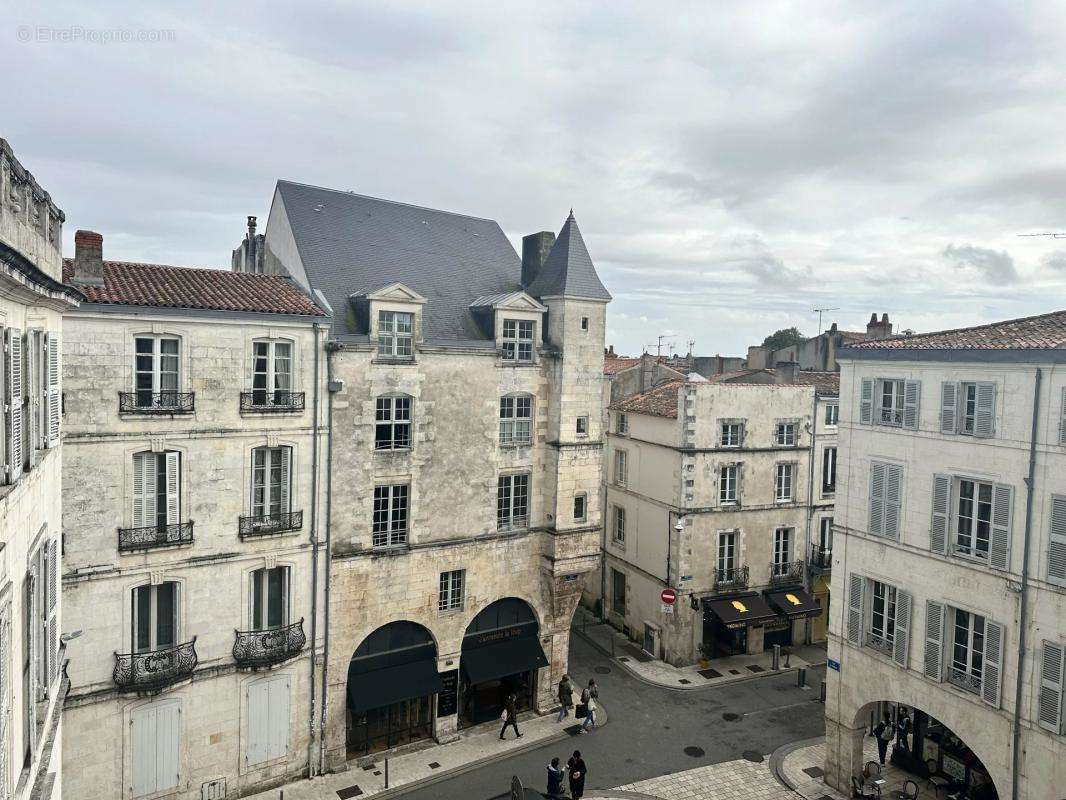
x=275, y=376
x=394, y=413
x=451, y=590
x=832, y=415
x=881, y=636
x=396, y=334
x=156, y=371
x=622, y=424
x=728, y=482
x=392, y=514
x=890, y=416
x=782, y=549
x=727, y=431
x=516, y=430
x=618, y=528
x=786, y=433
x=153, y=590
x=825, y=534
x=274, y=493
x=968, y=677
x=581, y=503
x=581, y=426
x=784, y=482
x=972, y=551
x=518, y=340
x=829, y=468
x=621, y=467
x=512, y=506
x=728, y=557
x=259, y=581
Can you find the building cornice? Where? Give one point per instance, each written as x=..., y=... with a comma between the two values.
x=1049, y=355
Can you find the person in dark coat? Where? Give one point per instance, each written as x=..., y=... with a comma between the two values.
x=883, y=733
x=510, y=716
x=555, y=779
x=577, y=769
x=566, y=697
x=903, y=730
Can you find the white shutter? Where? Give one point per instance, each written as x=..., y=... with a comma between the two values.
x=992, y=664
x=143, y=747
x=901, y=644
x=286, y=458
x=258, y=701
x=893, y=493
x=173, y=487
x=866, y=402
x=1050, y=706
x=55, y=396
x=167, y=746
x=31, y=389
x=856, y=586
x=949, y=398
x=985, y=414
x=877, y=498
x=144, y=489
x=15, y=455
x=1002, y=513
x=1062, y=418
x=912, y=395
x=1056, y=556
x=934, y=640
x=938, y=528
x=51, y=579
x=278, y=722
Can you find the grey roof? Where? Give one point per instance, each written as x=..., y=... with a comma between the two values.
x=568, y=271
x=348, y=242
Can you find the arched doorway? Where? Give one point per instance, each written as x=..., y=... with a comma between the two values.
x=392, y=679
x=501, y=656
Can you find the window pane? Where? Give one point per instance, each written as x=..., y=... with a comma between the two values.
x=257, y=600
x=276, y=597
x=165, y=615
x=142, y=606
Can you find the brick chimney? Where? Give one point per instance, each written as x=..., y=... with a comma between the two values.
x=88, y=259
x=785, y=372
x=535, y=249
x=878, y=329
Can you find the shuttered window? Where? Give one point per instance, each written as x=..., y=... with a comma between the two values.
x=156, y=485
x=901, y=645
x=49, y=571
x=975, y=516
x=6, y=673
x=934, y=640
x=1049, y=712
x=856, y=588
x=14, y=388
x=886, y=489
x=866, y=402
x=154, y=747
x=1062, y=418
x=55, y=395
x=968, y=408
x=271, y=480
x=1056, y=557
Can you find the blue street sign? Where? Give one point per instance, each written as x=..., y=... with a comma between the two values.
x=834, y=664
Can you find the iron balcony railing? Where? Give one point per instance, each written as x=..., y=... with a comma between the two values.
x=272, y=400
x=156, y=402
x=731, y=578
x=964, y=680
x=786, y=572
x=269, y=647
x=266, y=524
x=881, y=644
x=155, y=669
x=151, y=536
x=821, y=559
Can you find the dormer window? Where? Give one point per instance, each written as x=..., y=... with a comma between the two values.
x=396, y=333
x=517, y=340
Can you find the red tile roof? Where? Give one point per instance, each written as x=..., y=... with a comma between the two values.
x=131, y=284
x=1046, y=331
x=827, y=383
x=660, y=401
x=613, y=365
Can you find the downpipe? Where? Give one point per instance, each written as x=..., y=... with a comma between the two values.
x=314, y=556
x=331, y=388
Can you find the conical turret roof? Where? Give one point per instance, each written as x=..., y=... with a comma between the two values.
x=568, y=271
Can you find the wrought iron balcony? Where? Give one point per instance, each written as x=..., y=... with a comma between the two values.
x=786, y=573
x=266, y=524
x=152, y=536
x=156, y=669
x=879, y=643
x=821, y=559
x=264, y=400
x=269, y=647
x=156, y=402
x=964, y=680
x=731, y=578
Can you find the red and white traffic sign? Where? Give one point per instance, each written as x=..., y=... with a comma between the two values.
x=668, y=596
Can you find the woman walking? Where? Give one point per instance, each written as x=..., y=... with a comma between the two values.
x=566, y=697
x=577, y=769
x=510, y=716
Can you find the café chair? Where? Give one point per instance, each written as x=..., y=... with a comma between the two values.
x=859, y=789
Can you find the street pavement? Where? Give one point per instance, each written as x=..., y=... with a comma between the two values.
x=651, y=727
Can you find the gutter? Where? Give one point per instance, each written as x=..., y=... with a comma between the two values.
x=314, y=558
x=332, y=387
x=810, y=502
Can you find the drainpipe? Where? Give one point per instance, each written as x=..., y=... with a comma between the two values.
x=1023, y=593
x=810, y=508
x=331, y=388
x=314, y=557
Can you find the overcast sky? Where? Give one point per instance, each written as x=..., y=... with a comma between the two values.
x=732, y=166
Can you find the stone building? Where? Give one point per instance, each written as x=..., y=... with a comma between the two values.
x=722, y=490
x=465, y=397
x=33, y=300
x=820, y=352
x=950, y=556
x=190, y=529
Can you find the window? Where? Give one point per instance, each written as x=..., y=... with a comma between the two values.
x=396, y=333
x=890, y=406
x=889, y=401
x=886, y=486
x=1056, y=556
x=621, y=467
x=882, y=631
x=516, y=420
x=783, y=483
x=582, y=426
x=14, y=394
x=727, y=553
x=156, y=371
x=825, y=534
x=967, y=651
x=782, y=551
x=732, y=434
x=451, y=590
x=1051, y=680
x=622, y=424
x=270, y=598
x=618, y=592
x=155, y=617
x=268, y=720
x=390, y=515
x=37, y=372
x=879, y=616
x=968, y=408
x=392, y=423
x=42, y=635
x=580, y=507
x=271, y=373
x=829, y=470
x=512, y=502
x=785, y=434
x=973, y=519
x=156, y=481
x=727, y=483
x=832, y=413
x=155, y=738
x=619, y=530
x=584, y=323
x=271, y=469
x=518, y=340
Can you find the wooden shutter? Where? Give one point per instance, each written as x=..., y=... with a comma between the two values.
x=985, y=414
x=912, y=395
x=900, y=646
x=278, y=721
x=992, y=663
x=877, y=498
x=1002, y=514
x=866, y=402
x=1062, y=418
x=934, y=640
x=893, y=494
x=55, y=396
x=144, y=489
x=168, y=746
x=286, y=458
x=173, y=460
x=258, y=700
x=949, y=399
x=856, y=586
x=1056, y=556
x=142, y=747
x=51, y=580
x=15, y=454
x=938, y=528
x=1050, y=705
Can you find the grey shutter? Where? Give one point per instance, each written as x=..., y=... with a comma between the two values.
x=142, y=745
x=173, y=488
x=934, y=640
x=1002, y=513
x=144, y=490
x=993, y=663
x=900, y=646
x=1056, y=556
x=278, y=719
x=985, y=414
x=15, y=455
x=51, y=580
x=1062, y=418
x=938, y=528
x=912, y=395
x=1050, y=705
x=866, y=402
x=167, y=746
x=949, y=399
x=856, y=585
x=286, y=471
x=55, y=396
x=893, y=494
x=257, y=698
x=877, y=498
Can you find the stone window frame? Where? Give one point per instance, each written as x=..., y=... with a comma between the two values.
x=782, y=426
x=722, y=422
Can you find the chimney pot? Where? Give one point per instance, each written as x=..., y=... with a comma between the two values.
x=251, y=226
x=884, y=319
x=88, y=259
x=785, y=372
x=535, y=249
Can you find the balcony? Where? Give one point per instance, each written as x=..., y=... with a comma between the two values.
x=156, y=669
x=153, y=536
x=269, y=647
x=261, y=401
x=731, y=578
x=821, y=559
x=267, y=524
x=786, y=573
x=964, y=680
x=156, y=402
x=880, y=644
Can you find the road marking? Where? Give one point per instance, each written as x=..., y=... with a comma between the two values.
x=778, y=708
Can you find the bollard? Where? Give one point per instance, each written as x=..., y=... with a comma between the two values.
x=386, y=773
x=776, y=664
x=801, y=677
x=823, y=691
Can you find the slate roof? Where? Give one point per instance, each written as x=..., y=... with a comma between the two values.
x=1045, y=331
x=568, y=270
x=155, y=285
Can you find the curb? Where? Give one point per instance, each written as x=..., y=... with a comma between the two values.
x=777, y=760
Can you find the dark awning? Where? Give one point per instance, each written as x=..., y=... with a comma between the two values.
x=503, y=658
x=794, y=603
x=383, y=687
x=740, y=611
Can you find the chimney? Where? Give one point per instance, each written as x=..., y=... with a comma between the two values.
x=609, y=352
x=878, y=330
x=785, y=372
x=535, y=249
x=88, y=259
x=758, y=357
x=251, y=228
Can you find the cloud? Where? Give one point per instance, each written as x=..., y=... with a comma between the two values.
x=996, y=266
x=1055, y=260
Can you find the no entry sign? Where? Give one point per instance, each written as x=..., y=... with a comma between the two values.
x=668, y=596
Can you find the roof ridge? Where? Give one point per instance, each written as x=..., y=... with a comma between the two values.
x=348, y=193
x=873, y=343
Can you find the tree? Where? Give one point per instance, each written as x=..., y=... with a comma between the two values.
x=786, y=337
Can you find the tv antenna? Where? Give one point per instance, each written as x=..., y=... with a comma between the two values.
x=659, y=343
x=820, y=310
x=1054, y=235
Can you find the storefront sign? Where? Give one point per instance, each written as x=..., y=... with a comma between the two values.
x=448, y=697
x=499, y=635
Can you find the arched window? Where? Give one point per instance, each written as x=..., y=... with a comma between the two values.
x=392, y=422
x=516, y=419
x=156, y=489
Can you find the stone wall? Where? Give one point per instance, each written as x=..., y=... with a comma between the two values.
x=29, y=221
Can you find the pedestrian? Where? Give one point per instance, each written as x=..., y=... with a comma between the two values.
x=555, y=779
x=510, y=716
x=903, y=729
x=578, y=771
x=589, y=696
x=883, y=734
x=566, y=697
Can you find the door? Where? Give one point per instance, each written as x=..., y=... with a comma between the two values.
x=649, y=641
x=818, y=624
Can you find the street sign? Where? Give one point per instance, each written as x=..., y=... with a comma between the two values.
x=833, y=664
x=668, y=596
x=667, y=608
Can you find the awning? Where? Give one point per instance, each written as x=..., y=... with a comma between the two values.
x=383, y=687
x=794, y=603
x=508, y=657
x=739, y=611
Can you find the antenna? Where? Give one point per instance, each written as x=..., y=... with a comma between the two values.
x=1055, y=235
x=820, y=310
x=659, y=343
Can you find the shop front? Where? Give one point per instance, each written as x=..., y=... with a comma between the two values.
x=792, y=605
x=734, y=625
x=501, y=655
